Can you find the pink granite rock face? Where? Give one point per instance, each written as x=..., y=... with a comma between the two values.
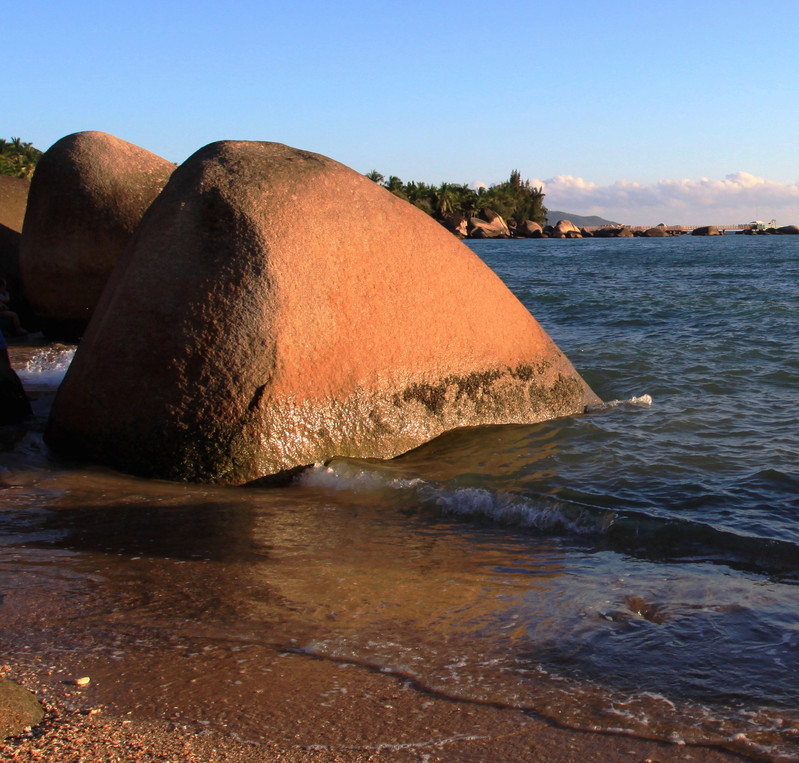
x=236, y=341
x=87, y=196
x=13, y=199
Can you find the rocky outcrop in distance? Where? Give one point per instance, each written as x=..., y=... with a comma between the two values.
x=783, y=230
x=87, y=196
x=563, y=229
x=488, y=224
x=235, y=343
x=567, y=229
x=528, y=229
x=706, y=230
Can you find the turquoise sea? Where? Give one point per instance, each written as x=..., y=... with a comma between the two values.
x=634, y=570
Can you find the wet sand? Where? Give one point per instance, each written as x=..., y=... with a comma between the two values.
x=369, y=717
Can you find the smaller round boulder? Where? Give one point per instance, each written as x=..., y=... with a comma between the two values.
x=87, y=196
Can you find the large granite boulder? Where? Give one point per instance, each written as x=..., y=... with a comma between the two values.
x=656, y=232
x=488, y=224
x=790, y=230
x=233, y=341
x=706, y=230
x=88, y=194
x=9, y=263
x=13, y=199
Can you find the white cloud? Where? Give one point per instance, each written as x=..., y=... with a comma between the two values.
x=739, y=198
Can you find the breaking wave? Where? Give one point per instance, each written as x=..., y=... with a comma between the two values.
x=630, y=532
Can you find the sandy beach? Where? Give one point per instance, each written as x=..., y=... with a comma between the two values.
x=375, y=717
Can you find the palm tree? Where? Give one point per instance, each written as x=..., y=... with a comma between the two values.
x=18, y=158
x=395, y=185
x=419, y=195
x=28, y=160
x=444, y=199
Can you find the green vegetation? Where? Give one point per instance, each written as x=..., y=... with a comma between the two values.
x=17, y=158
x=514, y=199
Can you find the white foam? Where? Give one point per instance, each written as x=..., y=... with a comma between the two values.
x=345, y=476
x=46, y=369
x=542, y=513
x=642, y=401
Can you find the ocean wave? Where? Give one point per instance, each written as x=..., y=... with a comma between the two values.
x=541, y=513
x=633, y=533
x=678, y=540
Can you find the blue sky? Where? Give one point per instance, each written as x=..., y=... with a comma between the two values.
x=642, y=111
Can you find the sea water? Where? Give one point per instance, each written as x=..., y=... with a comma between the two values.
x=632, y=570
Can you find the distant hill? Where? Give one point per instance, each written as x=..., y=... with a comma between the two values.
x=581, y=221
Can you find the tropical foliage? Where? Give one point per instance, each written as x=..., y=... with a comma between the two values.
x=17, y=158
x=515, y=199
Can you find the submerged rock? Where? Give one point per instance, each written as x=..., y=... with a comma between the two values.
x=87, y=196
x=233, y=342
